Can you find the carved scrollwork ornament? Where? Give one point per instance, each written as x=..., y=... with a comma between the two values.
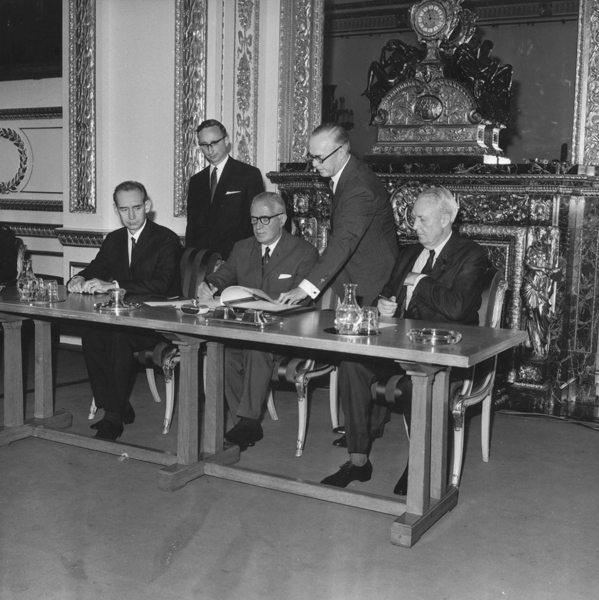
x=7, y=187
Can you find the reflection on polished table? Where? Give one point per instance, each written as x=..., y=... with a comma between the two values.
x=429, y=496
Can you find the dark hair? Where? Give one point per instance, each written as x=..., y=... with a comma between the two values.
x=211, y=123
x=129, y=186
x=338, y=133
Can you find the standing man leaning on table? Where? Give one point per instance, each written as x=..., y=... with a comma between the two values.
x=274, y=261
x=143, y=258
x=219, y=196
x=362, y=247
x=439, y=279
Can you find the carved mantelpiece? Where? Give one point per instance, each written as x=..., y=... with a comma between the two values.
x=542, y=231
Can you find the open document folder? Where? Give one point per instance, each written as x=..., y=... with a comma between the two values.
x=244, y=297
x=241, y=297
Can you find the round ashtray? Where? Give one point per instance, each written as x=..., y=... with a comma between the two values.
x=193, y=309
x=112, y=307
x=435, y=337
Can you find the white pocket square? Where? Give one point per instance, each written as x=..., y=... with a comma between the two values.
x=233, y=192
x=284, y=276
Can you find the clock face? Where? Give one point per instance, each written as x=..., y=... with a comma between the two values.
x=429, y=19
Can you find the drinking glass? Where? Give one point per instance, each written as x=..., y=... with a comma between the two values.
x=370, y=320
x=51, y=286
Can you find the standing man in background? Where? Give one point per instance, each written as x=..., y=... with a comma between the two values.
x=219, y=196
x=362, y=247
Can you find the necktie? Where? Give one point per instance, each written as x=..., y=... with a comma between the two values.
x=213, y=183
x=428, y=267
x=132, y=249
x=332, y=186
x=265, y=258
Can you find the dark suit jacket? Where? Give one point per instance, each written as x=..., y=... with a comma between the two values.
x=8, y=254
x=154, y=268
x=451, y=292
x=362, y=247
x=291, y=260
x=218, y=225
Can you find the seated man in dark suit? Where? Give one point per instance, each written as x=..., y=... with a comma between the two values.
x=8, y=254
x=142, y=258
x=219, y=196
x=439, y=279
x=274, y=261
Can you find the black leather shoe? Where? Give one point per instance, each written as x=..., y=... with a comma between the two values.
x=401, y=487
x=339, y=430
x=340, y=442
x=348, y=473
x=108, y=430
x=245, y=433
x=128, y=414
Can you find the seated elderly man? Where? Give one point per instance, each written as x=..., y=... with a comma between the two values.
x=439, y=279
x=275, y=262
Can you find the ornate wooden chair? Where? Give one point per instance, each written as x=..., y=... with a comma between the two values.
x=299, y=372
x=479, y=386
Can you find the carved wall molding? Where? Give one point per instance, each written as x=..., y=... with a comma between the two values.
x=586, y=113
x=31, y=204
x=82, y=106
x=300, y=75
x=30, y=114
x=247, y=41
x=380, y=16
x=190, y=93
x=34, y=229
x=18, y=140
x=71, y=237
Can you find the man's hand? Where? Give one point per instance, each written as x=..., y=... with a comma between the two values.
x=206, y=291
x=386, y=307
x=76, y=285
x=293, y=297
x=97, y=286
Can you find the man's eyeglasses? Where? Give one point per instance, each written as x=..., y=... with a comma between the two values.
x=212, y=144
x=318, y=159
x=264, y=220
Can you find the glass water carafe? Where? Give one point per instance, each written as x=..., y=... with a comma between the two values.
x=348, y=316
x=26, y=279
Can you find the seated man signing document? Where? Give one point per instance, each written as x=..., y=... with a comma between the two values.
x=273, y=261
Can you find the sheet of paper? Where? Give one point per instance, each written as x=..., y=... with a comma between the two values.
x=178, y=303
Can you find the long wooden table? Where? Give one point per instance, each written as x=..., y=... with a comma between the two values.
x=429, y=496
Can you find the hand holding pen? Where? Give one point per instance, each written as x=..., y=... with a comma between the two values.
x=387, y=306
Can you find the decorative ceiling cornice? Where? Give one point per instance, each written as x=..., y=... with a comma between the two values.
x=379, y=16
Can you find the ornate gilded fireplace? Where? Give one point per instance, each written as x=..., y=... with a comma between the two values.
x=541, y=231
